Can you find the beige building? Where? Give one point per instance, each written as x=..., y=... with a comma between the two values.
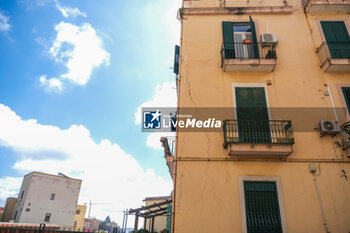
x=78, y=223
x=279, y=66
x=46, y=198
x=159, y=221
x=8, y=209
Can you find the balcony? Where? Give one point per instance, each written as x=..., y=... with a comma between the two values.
x=168, y=143
x=334, y=56
x=272, y=138
x=326, y=6
x=248, y=56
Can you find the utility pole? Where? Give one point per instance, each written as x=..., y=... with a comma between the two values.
x=91, y=204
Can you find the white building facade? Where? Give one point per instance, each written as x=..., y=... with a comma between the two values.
x=45, y=198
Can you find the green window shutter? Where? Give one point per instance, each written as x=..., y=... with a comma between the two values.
x=227, y=35
x=255, y=41
x=168, y=218
x=346, y=93
x=337, y=38
x=176, y=59
x=252, y=115
x=262, y=207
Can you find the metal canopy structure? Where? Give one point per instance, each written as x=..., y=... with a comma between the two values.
x=150, y=212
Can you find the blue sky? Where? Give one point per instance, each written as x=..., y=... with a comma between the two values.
x=79, y=70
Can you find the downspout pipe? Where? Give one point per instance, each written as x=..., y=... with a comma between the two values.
x=334, y=110
x=321, y=206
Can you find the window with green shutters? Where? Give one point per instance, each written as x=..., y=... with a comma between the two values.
x=337, y=38
x=346, y=93
x=262, y=207
x=234, y=33
x=252, y=115
x=168, y=218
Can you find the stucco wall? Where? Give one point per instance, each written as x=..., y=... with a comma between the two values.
x=159, y=221
x=38, y=188
x=207, y=196
x=79, y=218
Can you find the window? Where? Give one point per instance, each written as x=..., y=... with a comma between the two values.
x=240, y=40
x=346, y=93
x=337, y=38
x=262, y=207
x=252, y=115
x=77, y=212
x=27, y=209
x=52, y=196
x=47, y=217
x=75, y=224
x=15, y=215
x=22, y=194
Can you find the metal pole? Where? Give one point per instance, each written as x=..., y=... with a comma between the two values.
x=126, y=220
x=123, y=220
x=89, y=209
x=330, y=95
x=136, y=221
x=321, y=206
x=152, y=228
x=144, y=225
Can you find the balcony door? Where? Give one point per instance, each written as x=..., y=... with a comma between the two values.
x=242, y=48
x=252, y=116
x=337, y=38
x=240, y=40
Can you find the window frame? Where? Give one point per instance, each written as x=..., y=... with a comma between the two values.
x=279, y=195
x=343, y=103
x=49, y=217
x=250, y=85
x=323, y=37
x=244, y=22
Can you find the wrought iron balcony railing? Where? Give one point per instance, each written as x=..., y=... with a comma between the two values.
x=333, y=50
x=258, y=132
x=168, y=144
x=248, y=50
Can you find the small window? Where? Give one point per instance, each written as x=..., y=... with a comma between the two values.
x=52, y=196
x=47, y=217
x=346, y=93
x=15, y=216
x=261, y=202
x=22, y=194
x=77, y=212
x=75, y=224
x=27, y=209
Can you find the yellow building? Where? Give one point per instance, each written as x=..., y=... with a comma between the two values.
x=159, y=221
x=278, y=66
x=8, y=209
x=78, y=223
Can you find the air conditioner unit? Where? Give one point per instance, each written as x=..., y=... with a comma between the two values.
x=268, y=38
x=329, y=127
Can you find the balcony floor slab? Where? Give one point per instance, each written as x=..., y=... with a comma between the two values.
x=259, y=150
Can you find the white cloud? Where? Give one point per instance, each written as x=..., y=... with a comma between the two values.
x=68, y=11
x=4, y=25
x=80, y=50
x=9, y=186
x=109, y=174
x=164, y=96
x=52, y=84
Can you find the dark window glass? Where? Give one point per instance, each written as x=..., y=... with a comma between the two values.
x=52, y=196
x=47, y=217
